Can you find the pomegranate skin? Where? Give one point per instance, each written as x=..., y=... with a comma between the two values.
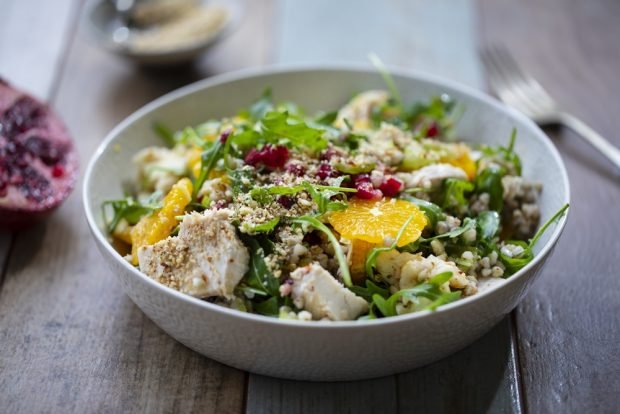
x=38, y=161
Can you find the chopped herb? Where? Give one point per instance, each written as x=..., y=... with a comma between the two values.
x=164, y=133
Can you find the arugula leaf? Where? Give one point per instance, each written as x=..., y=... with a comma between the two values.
x=322, y=195
x=326, y=118
x=468, y=224
x=516, y=263
x=371, y=259
x=278, y=125
x=504, y=156
x=387, y=78
x=261, y=106
x=454, y=194
x=245, y=140
x=487, y=225
x=261, y=195
x=241, y=180
x=209, y=158
x=165, y=133
x=354, y=169
x=371, y=289
x=433, y=212
x=342, y=260
x=258, y=276
x=489, y=181
x=129, y=209
x=262, y=228
x=429, y=290
x=189, y=136
x=269, y=307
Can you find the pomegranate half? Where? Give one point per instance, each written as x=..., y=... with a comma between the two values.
x=38, y=161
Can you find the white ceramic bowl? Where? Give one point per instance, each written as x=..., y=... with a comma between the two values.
x=321, y=351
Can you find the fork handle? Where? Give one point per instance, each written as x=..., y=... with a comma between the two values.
x=592, y=137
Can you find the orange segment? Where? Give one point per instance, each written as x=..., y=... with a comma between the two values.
x=193, y=161
x=465, y=163
x=357, y=259
x=151, y=229
x=376, y=221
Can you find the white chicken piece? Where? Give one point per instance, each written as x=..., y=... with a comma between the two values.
x=206, y=259
x=359, y=110
x=159, y=168
x=430, y=176
x=406, y=270
x=318, y=292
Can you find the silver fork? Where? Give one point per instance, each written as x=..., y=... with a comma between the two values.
x=521, y=91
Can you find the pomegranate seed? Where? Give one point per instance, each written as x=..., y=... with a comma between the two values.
x=270, y=156
x=327, y=154
x=391, y=187
x=366, y=191
x=58, y=171
x=432, y=130
x=325, y=170
x=296, y=169
x=286, y=201
x=224, y=136
x=361, y=178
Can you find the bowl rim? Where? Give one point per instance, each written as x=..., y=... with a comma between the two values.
x=236, y=12
x=228, y=77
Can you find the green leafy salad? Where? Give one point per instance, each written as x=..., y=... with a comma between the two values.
x=373, y=210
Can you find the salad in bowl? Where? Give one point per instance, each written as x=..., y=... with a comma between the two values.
x=372, y=210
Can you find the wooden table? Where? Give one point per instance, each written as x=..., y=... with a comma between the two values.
x=71, y=341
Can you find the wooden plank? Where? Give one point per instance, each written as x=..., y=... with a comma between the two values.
x=71, y=340
x=480, y=378
x=568, y=324
x=269, y=395
x=308, y=32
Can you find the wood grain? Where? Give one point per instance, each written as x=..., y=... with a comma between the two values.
x=568, y=324
x=71, y=340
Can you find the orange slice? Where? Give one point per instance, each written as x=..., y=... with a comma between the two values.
x=357, y=259
x=151, y=229
x=379, y=221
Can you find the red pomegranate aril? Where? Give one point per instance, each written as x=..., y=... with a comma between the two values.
x=286, y=201
x=391, y=187
x=366, y=191
x=224, y=136
x=361, y=178
x=272, y=157
x=324, y=171
x=296, y=169
x=58, y=171
x=432, y=130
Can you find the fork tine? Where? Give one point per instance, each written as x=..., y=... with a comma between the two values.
x=534, y=90
x=504, y=82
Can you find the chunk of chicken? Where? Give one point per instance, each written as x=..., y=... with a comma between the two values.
x=318, y=292
x=359, y=110
x=206, y=259
x=431, y=176
x=407, y=270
